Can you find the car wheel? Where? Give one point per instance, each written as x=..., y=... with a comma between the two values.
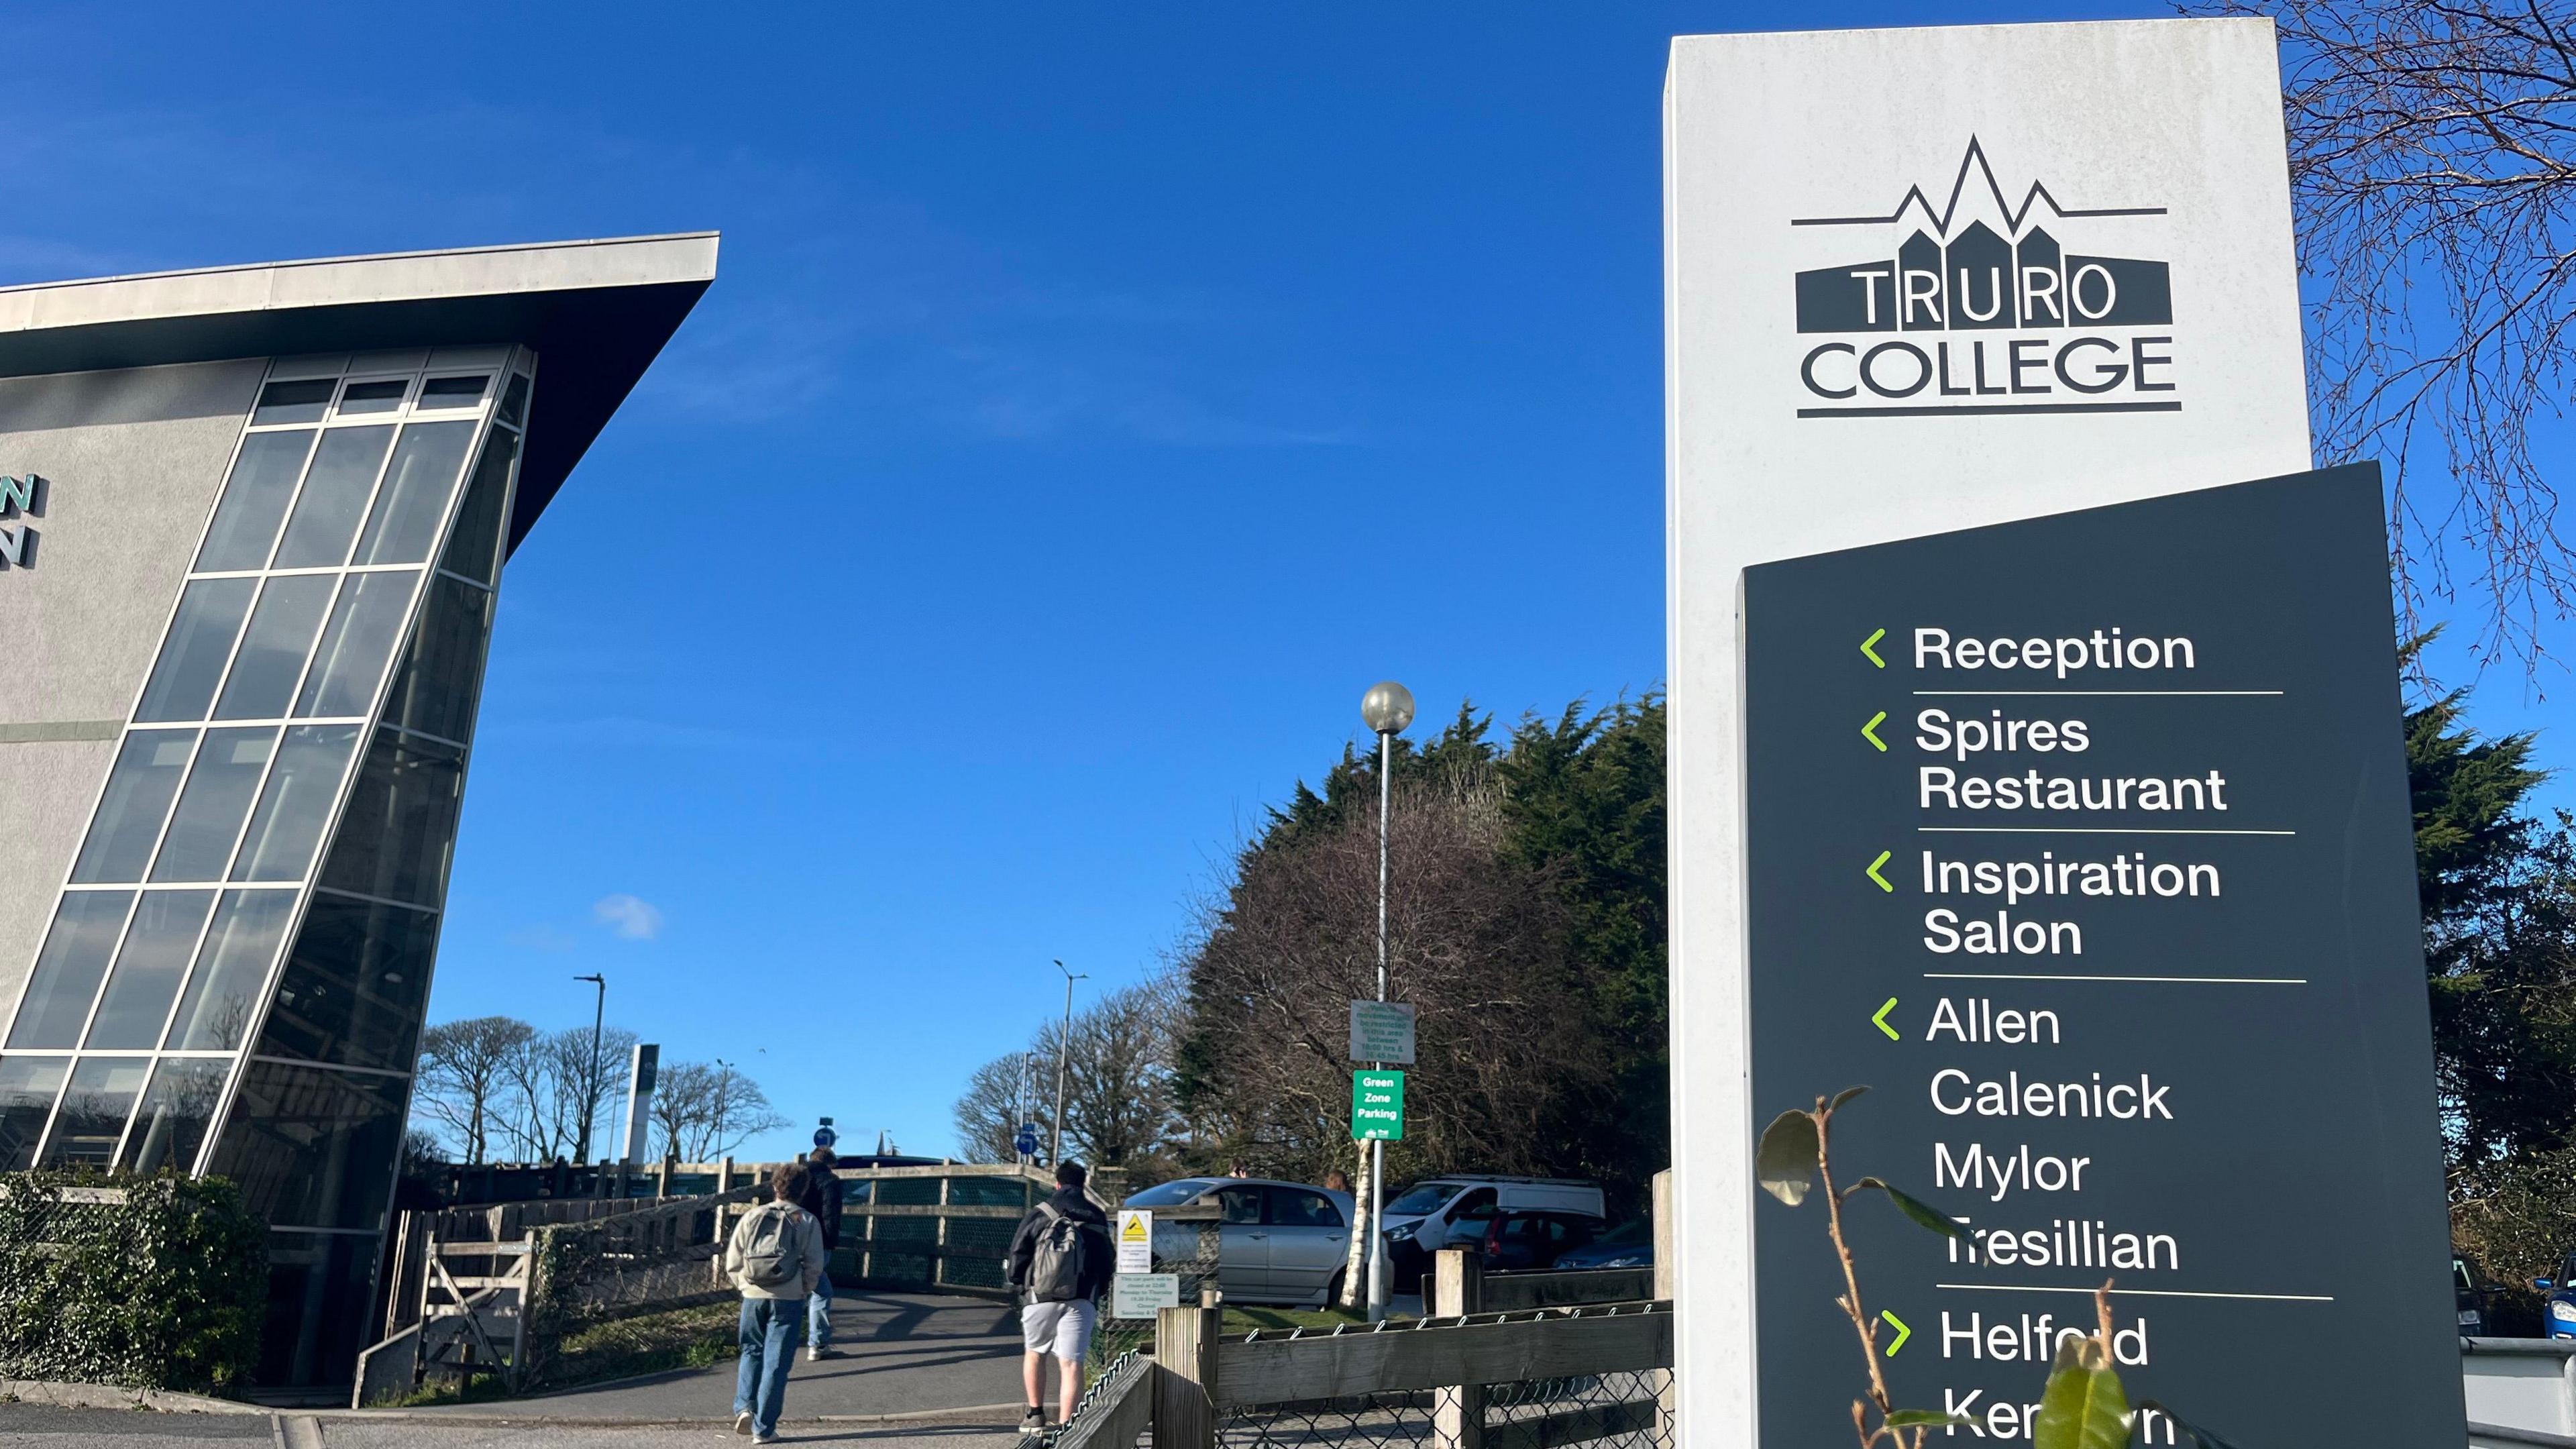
x=1333, y=1290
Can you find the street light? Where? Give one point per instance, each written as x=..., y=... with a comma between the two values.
x=590, y=1087
x=1386, y=709
x=1063, y=1055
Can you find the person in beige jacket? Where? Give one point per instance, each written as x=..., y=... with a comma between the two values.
x=775, y=1257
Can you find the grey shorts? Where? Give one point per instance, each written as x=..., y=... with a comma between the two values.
x=1062, y=1329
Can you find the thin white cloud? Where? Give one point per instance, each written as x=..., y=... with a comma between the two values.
x=631, y=918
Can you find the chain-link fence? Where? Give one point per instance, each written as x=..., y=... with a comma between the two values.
x=1453, y=1383
x=1623, y=1410
x=1186, y=1245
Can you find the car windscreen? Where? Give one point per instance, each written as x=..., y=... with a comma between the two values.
x=1624, y=1234
x=1422, y=1197
x=1170, y=1194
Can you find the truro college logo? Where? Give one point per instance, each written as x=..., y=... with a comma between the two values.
x=1994, y=312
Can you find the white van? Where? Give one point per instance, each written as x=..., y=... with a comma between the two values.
x=1453, y=1211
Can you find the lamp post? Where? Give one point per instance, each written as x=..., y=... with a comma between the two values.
x=1386, y=709
x=1063, y=1055
x=590, y=1087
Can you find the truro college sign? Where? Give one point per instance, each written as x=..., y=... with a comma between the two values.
x=2034, y=750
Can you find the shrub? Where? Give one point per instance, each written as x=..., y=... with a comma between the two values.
x=157, y=1282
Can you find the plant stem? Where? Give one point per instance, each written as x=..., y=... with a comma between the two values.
x=1851, y=1278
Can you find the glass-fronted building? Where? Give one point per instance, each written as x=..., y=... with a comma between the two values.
x=253, y=522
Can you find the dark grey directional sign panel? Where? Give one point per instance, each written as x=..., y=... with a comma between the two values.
x=2084, y=843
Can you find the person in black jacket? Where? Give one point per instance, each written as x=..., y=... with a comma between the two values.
x=1058, y=1297
x=823, y=1199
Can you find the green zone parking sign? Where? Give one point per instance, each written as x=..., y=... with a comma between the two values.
x=1377, y=1106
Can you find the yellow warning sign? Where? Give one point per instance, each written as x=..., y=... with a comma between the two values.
x=1135, y=1241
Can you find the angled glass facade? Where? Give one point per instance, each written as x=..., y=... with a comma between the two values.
x=238, y=959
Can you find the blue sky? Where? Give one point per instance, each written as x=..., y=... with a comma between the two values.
x=1093, y=402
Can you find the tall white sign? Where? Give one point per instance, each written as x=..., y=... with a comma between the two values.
x=1918, y=281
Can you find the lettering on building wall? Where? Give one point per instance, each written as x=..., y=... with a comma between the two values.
x=20, y=500
x=1984, y=307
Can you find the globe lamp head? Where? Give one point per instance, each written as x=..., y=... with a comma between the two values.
x=1387, y=708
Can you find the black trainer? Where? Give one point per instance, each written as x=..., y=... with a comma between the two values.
x=1033, y=1424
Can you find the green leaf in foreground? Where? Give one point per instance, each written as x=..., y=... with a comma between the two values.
x=1785, y=1162
x=1845, y=1095
x=2199, y=1435
x=2084, y=1406
x=1928, y=1418
x=1917, y=1209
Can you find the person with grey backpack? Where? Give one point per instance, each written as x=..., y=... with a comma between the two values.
x=1061, y=1260
x=775, y=1257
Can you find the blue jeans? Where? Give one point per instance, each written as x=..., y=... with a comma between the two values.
x=818, y=1314
x=768, y=1340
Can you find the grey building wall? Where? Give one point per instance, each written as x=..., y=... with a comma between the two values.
x=131, y=460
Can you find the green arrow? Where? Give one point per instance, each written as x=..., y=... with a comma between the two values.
x=1872, y=872
x=1880, y=1021
x=1875, y=636
x=1902, y=1332
x=1868, y=731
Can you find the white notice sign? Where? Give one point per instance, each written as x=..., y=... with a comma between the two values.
x=1135, y=1243
x=1382, y=1031
x=1138, y=1295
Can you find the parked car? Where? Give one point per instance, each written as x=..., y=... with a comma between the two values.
x=1454, y=1211
x=2557, y=1300
x=1629, y=1245
x=2475, y=1299
x=1524, y=1242
x=1278, y=1242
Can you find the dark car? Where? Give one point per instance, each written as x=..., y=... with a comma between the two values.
x=1629, y=1245
x=1527, y=1242
x=2475, y=1297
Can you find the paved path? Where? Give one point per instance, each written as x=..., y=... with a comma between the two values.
x=30, y=1426
x=901, y=1353
x=952, y=1362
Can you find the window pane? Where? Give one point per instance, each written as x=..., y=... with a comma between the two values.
x=399, y=830
x=373, y=397
x=355, y=985
x=514, y=401
x=295, y=806
x=209, y=817
x=335, y=497
x=293, y=402
x=176, y=1109
x=274, y=647
x=403, y=526
x=68, y=969
x=192, y=658
x=312, y=1147
x=232, y=969
x=442, y=677
x=318, y=1312
x=474, y=550
x=351, y=662
x=255, y=501
x=27, y=1088
x=452, y=392
x=149, y=968
x=148, y=766
x=100, y=1098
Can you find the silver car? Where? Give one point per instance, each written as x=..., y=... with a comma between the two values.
x=1278, y=1242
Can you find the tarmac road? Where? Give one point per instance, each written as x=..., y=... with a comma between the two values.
x=945, y=1369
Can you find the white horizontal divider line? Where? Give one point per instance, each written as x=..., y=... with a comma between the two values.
x=2055, y=976
x=2138, y=1292
x=2081, y=830
x=2106, y=693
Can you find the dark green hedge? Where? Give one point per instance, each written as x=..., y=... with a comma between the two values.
x=164, y=1290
